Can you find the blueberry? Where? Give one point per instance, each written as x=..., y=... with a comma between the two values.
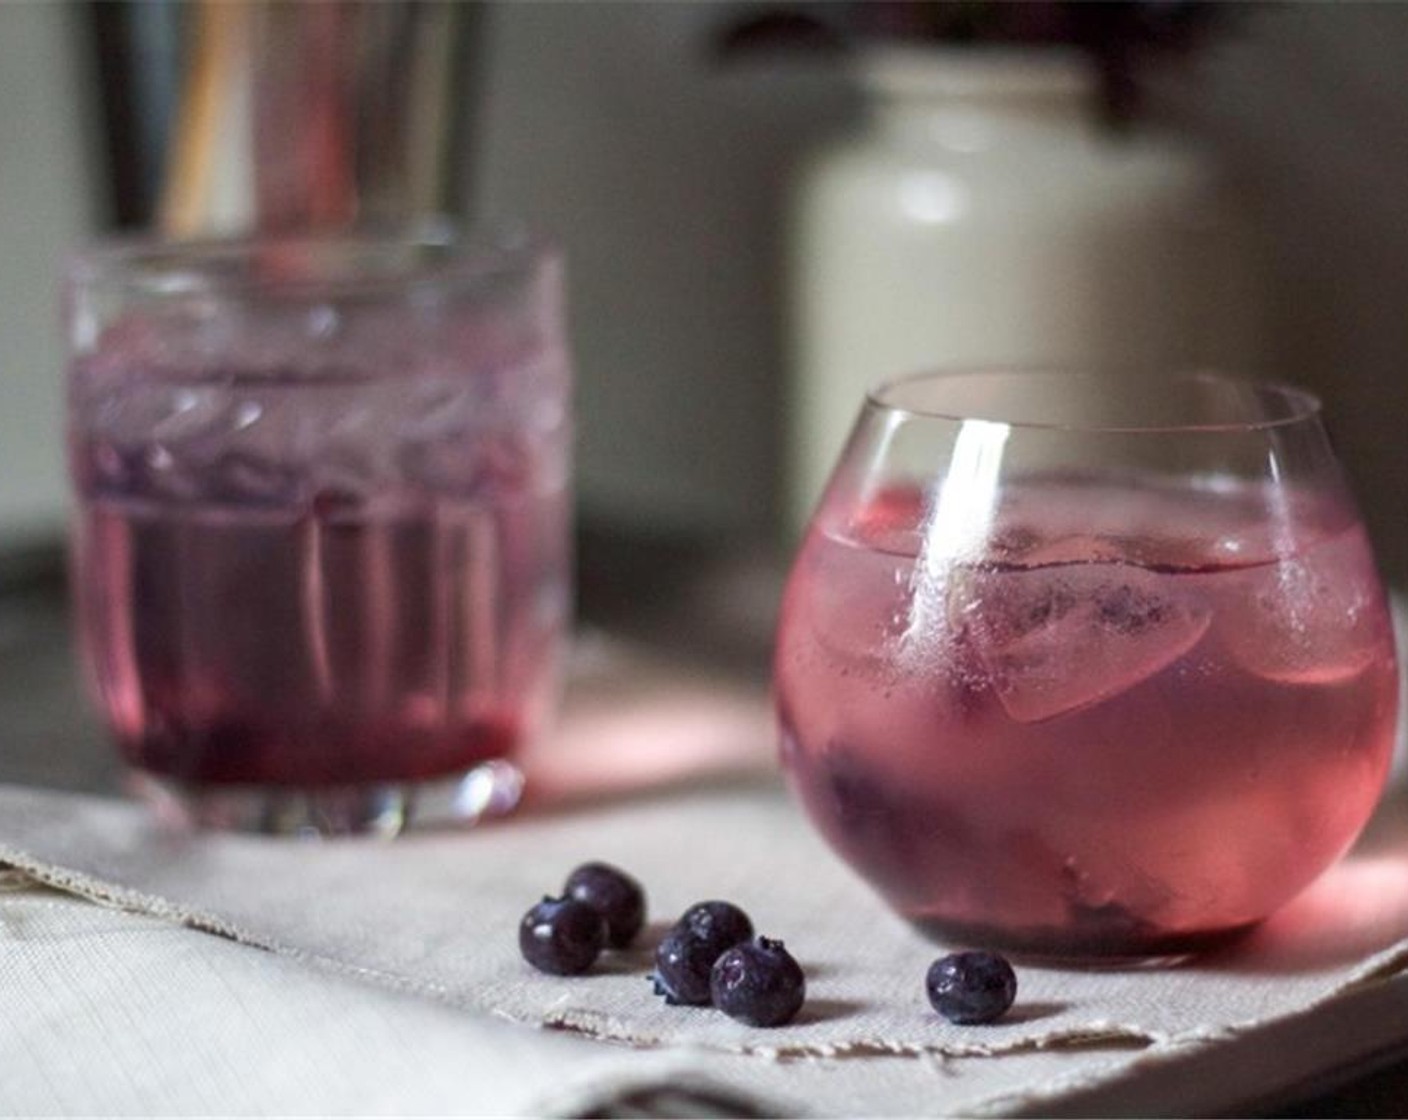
x=719, y=923
x=971, y=987
x=562, y=936
x=614, y=895
x=702, y=935
x=682, y=964
x=758, y=983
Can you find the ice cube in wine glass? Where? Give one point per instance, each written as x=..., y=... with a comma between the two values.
x=1316, y=623
x=1055, y=639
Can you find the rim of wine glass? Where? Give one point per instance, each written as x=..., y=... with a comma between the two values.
x=154, y=266
x=1300, y=405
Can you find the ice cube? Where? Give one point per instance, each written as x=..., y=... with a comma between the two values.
x=240, y=478
x=129, y=411
x=192, y=413
x=103, y=468
x=857, y=604
x=435, y=406
x=167, y=476
x=471, y=464
x=1056, y=639
x=1307, y=620
x=150, y=439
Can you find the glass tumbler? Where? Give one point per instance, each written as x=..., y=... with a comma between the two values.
x=320, y=548
x=1084, y=671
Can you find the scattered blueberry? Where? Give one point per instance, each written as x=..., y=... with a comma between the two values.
x=708, y=956
x=614, y=895
x=562, y=936
x=758, y=983
x=971, y=987
x=702, y=935
x=682, y=964
x=719, y=923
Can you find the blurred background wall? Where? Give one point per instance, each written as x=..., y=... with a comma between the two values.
x=1308, y=104
x=665, y=173
x=48, y=203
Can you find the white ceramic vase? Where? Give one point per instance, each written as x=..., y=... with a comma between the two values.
x=982, y=216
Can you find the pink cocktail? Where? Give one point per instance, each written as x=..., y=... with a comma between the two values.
x=320, y=546
x=1122, y=706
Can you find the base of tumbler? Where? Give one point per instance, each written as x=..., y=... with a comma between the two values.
x=1084, y=949
x=382, y=809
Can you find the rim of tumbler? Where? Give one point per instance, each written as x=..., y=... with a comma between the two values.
x=153, y=266
x=1298, y=405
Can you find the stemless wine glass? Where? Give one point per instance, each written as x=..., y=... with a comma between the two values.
x=1086, y=671
x=321, y=539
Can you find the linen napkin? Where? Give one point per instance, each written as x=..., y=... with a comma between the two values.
x=435, y=916
x=114, y=1013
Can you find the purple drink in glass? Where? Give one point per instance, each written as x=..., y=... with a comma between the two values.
x=1094, y=712
x=321, y=545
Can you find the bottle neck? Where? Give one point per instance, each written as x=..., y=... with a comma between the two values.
x=963, y=97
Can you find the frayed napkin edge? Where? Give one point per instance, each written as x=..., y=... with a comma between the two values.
x=1379, y=968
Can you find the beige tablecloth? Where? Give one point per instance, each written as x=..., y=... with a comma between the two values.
x=393, y=980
